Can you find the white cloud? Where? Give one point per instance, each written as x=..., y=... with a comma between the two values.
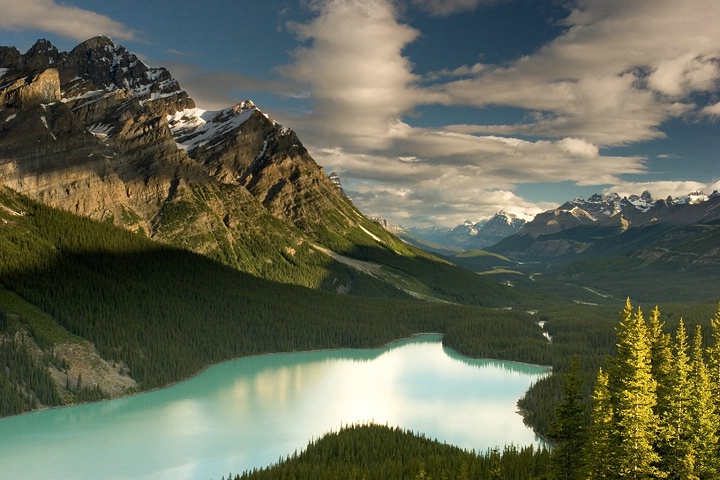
x=679, y=76
x=600, y=79
x=360, y=82
x=579, y=147
x=64, y=20
x=462, y=176
x=663, y=189
x=712, y=110
x=619, y=71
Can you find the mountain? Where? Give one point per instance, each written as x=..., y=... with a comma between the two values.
x=626, y=244
x=585, y=227
x=490, y=232
x=98, y=133
x=467, y=236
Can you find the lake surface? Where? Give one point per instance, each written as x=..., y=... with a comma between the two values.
x=250, y=412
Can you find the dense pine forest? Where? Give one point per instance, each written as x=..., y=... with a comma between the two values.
x=163, y=313
x=379, y=452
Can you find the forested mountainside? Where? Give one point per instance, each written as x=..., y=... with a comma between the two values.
x=89, y=310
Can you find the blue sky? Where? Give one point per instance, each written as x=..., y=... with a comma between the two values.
x=439, y=111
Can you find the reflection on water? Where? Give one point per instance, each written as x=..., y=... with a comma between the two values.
x=252, y=411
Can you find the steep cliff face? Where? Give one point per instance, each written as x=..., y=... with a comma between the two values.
x=97, y=132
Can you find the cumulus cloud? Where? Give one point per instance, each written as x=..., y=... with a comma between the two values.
x=712, y=110
x=619, y=71
x=462, y=176
x=688, y=73
x=361, y=86
x=360, y=82
x=64, y=20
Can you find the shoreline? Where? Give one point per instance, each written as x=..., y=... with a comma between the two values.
x=317, y=350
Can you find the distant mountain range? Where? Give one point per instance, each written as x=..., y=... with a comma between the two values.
x=603, y=223
x=622, y=244
x=649, y=249
x=469, y=235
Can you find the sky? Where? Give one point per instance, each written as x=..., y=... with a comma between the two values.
x=434, y=112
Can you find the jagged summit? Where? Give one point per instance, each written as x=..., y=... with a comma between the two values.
x=583, y=225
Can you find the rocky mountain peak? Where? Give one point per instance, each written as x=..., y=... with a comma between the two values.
x=99, y=42
x=99, y=133
x=40, y=55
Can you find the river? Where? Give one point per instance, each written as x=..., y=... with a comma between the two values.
x=252, y=411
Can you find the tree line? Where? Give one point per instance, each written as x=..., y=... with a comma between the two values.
x=368, y=452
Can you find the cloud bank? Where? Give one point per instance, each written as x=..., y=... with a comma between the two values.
x=615, y=75
x=61, y=19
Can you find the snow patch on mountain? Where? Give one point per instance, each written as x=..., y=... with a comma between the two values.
x=195, y=127
x=374, y=237
x=693, y=198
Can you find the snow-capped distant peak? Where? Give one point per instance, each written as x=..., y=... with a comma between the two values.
x=692, y=198
x=195, y=127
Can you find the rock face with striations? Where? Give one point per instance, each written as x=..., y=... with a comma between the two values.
x=97, y=132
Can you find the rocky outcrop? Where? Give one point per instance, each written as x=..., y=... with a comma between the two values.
x=26, y=93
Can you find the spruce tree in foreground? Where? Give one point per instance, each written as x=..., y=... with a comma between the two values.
x=714, y=359
x=600, y=447
x=661, y=359
x=676, y=445
x=704, y=416
x=634, y=389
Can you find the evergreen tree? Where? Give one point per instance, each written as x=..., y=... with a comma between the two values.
x=704, y=419
x=676, y=449
x=635, y=399
x=661, y=359
x=569, y=429
x=714, y=359
x=600, y=447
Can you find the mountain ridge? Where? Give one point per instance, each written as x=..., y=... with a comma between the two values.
x=96, y=132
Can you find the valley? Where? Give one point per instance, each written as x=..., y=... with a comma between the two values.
x=144, y=239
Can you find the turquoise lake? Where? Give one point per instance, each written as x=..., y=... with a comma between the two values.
x=250, y=412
